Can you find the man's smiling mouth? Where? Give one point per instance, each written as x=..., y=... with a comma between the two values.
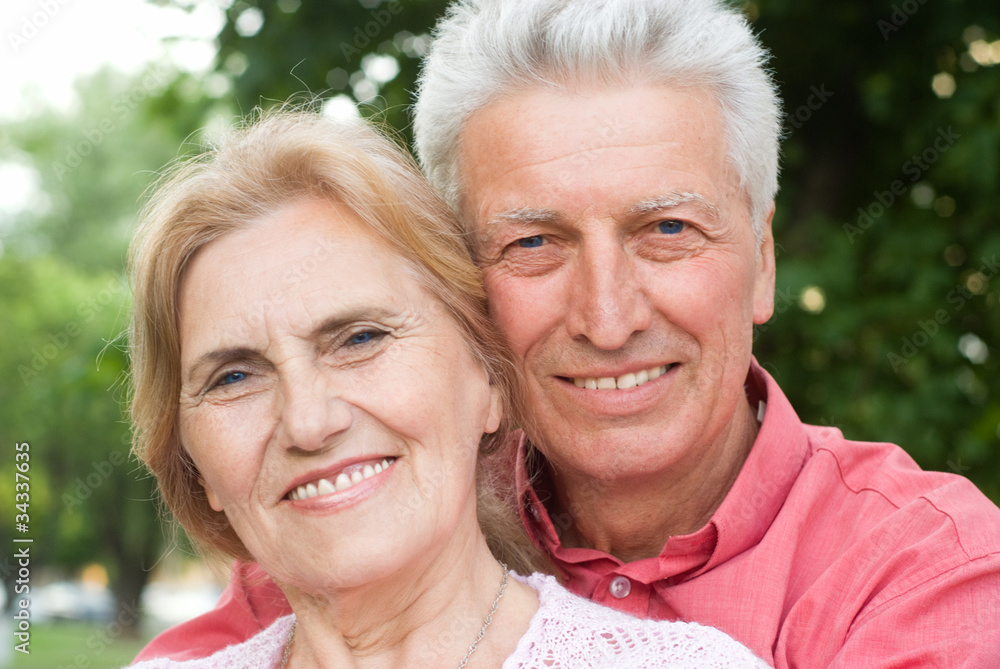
x=629, y=380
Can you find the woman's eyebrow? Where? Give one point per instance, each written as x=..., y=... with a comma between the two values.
x=354, y=314
x=333, y=323
x=217, y=357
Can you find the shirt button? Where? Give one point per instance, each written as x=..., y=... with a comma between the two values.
x=620, y=587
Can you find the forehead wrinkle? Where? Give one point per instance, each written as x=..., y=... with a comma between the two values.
x=673, y=200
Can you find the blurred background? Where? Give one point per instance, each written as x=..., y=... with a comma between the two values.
x=887, y=230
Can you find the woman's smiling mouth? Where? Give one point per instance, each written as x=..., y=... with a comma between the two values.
x=347, y=478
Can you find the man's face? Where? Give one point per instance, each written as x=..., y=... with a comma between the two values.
x=618, y=252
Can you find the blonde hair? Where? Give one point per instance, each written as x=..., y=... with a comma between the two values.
x=272, y=160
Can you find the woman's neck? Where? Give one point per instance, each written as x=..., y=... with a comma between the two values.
x=427, y=616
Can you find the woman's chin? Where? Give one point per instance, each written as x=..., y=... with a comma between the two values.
x=349, y=570
x=322, y=557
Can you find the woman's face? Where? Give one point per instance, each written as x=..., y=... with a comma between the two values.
x=329, y=402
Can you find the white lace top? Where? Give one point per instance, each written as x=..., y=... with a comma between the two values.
x=567, y=632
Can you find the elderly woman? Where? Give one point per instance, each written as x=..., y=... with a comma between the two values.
x=315, y=380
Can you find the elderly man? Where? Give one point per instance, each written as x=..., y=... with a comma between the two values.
x=616, y=165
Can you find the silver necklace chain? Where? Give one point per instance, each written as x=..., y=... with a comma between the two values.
x=472, y=648
x=489, y=617
x=288, y=645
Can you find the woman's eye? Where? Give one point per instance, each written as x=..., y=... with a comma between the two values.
x=670, y=227
x=531, y=242
x=231, y=377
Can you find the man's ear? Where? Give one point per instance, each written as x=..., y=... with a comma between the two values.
x=763, y=290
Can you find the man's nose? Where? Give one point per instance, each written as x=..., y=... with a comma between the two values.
x=608, y=303
x=312, y=414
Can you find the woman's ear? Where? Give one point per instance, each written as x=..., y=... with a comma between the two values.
x=496, y=411
x=213, y=499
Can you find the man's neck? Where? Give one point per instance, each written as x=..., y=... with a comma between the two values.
x=633, y=519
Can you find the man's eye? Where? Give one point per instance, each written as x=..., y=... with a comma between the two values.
x=531, y=242
x=364, y=337
x=670, y=227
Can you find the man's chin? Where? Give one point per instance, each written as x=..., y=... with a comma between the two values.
x=611, y=456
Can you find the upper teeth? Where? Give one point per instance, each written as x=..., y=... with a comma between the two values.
x=342, y=482
x=629, y=380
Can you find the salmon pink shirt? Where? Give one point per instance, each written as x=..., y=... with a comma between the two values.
x=825, y=553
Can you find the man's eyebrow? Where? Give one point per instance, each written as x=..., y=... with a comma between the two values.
x=673, y=200
x=521, y=215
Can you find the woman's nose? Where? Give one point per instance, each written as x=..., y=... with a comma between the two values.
x=312, y=414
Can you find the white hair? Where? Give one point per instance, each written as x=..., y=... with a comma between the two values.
x=484, y=49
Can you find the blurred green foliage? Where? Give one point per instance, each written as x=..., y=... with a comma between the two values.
x=886, y=227
x=889, y=207
x=64, y=300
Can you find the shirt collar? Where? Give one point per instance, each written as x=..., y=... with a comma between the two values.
x=767, y=476
x=739, y=523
